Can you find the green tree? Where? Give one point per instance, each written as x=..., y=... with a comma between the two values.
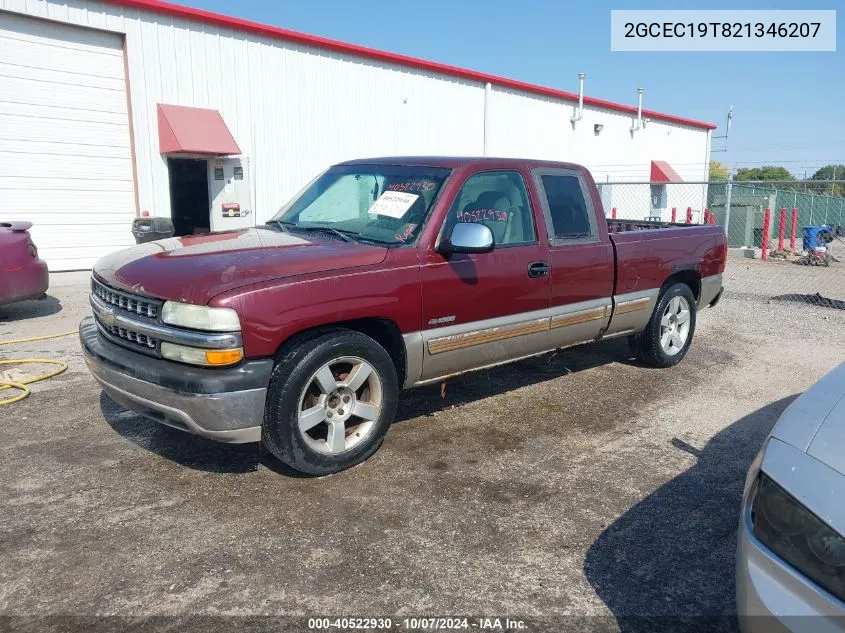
x=830, y=172
x=718, y=170
x=767, y=172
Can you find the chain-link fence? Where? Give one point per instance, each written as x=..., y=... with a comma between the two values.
x=786, y=240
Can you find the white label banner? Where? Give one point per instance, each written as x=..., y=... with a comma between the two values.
x=394, y=204
x=723, y=30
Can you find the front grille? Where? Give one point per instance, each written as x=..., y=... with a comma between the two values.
x=137, y=339
x=133, y=304
x=134, y=307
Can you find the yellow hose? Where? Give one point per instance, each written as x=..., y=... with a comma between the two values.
x=22, y=385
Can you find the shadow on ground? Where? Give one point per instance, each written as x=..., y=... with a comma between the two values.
x=813, y=299
x=183, y=448
x=668, y=562
x=30, y=309
x=206, y=455
x=479, y=385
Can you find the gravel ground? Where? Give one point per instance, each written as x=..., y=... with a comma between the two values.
x=786, y=280
x=576, y=490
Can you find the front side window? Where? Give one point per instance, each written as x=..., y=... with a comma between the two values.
x=570, y=217
x=499, y=200
x=386, y=204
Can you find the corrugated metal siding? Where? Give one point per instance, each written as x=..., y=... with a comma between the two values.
x=539, y=127
x=65, y=159
x=295, y=109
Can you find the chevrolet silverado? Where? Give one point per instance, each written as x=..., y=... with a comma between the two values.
x=380, y=275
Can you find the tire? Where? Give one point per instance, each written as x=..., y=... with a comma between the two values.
x=347, y=385
x=665, y=340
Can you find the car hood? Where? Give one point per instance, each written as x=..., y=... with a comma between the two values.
x=196, y=268
x=815, y=422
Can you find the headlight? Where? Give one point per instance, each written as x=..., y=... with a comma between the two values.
x=205, y=357
x=798, y=536
x=200, y=317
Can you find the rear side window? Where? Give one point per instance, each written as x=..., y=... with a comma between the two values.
x=567, y=207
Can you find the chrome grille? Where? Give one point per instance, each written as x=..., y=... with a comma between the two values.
x=138, y=339
x=125, y=301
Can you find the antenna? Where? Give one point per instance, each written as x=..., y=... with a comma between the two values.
x=727, y=131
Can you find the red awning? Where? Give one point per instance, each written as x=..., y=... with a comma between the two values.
x=661, y=171
x=193, y=131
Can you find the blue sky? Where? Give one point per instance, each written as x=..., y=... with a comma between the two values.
x=789, y=108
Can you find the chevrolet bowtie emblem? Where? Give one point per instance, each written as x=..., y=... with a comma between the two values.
x=108, y=316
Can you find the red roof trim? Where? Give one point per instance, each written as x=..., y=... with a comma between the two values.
x=217, y=19
x=661, y=171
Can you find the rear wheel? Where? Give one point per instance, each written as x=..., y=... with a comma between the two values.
x=668, y=335
x=331, y=400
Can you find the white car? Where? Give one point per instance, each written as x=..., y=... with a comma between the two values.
x=791, y=549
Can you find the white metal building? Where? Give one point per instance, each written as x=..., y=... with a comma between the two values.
x=90, y=137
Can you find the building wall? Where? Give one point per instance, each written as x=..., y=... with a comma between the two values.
x=294, y=109
x=527, y=125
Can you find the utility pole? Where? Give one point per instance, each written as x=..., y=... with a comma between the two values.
x=728, y=206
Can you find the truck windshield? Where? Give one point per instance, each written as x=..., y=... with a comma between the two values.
x=387, y=204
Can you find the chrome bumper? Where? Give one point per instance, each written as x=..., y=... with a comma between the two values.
x=226, y=416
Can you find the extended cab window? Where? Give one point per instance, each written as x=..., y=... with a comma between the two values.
x=570, y=217
x=499, y=200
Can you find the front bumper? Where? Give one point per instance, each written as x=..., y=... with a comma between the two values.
x=226, y=405
x=772, y=597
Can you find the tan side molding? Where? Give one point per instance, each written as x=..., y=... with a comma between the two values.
x=632, y=306
x=489, y=335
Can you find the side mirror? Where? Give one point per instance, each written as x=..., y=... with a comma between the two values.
x=467, y=237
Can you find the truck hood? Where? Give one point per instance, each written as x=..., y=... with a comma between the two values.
x=815, y=422
x=194, y=269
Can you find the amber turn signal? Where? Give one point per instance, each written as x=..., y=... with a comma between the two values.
x=223, y=356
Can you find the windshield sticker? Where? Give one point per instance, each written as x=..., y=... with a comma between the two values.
x=394, y=204
x=416, y=185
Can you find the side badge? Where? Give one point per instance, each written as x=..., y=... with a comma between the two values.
x=442, y=320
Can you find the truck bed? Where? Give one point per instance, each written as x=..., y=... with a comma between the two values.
x=649, y=252
x=624, y=226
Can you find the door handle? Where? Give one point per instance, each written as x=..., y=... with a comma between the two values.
x=538, y=269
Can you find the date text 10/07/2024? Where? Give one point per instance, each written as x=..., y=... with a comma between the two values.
x=418, y=624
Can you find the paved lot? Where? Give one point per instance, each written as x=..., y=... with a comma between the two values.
x=573, y=485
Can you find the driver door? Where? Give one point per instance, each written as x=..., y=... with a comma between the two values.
x=488, y=308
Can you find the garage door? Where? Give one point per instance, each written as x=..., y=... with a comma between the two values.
x=65, y=157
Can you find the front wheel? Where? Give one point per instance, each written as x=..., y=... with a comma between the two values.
x=668, y=335
x=330, y=403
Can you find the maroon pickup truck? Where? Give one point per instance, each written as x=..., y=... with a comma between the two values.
x=380, y=275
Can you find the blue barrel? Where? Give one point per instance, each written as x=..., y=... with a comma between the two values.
x=810, y=235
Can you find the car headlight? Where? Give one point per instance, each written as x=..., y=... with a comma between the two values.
x=200, y=317
x=798, y=536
